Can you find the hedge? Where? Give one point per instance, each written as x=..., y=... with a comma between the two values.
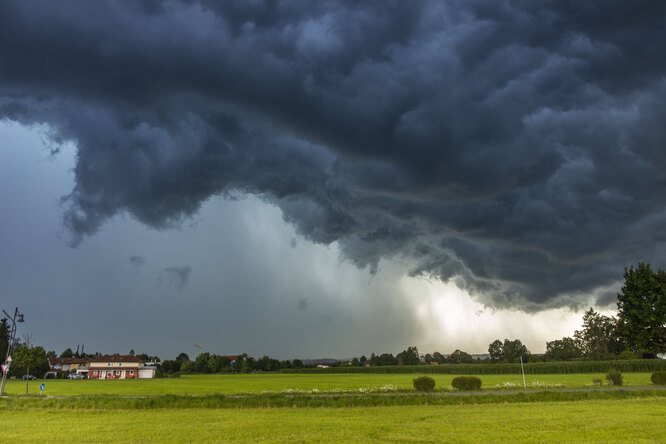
x=535, y=368
x=466, y=383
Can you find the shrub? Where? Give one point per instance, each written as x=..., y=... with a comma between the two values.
x=597, y=382
x=658, y=378
x=466, y=383
x=424, y=383
x=614, y=377
x=627, y=355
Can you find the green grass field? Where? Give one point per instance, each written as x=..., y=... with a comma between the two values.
x=286, y=407
x=276, y=382
x=630, y=420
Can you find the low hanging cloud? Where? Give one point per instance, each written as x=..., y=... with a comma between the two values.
x=516, y=148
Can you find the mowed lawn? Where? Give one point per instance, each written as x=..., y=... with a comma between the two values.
x=268, y=382
x=635, y=420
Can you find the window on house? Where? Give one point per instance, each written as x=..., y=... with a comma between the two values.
x=120, y=364
x=108, y=364
x=117, y=372
x=131, y=372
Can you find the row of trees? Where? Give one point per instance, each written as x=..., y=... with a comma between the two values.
x=212, y=363
x=639, y=330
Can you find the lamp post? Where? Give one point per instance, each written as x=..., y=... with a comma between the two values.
x=18, y=317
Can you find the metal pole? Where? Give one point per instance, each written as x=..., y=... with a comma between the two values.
x=522, y=369
x=10, y=342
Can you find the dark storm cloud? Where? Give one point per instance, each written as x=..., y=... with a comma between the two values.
x=515, y=147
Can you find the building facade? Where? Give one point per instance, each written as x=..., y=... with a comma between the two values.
x=119, y=367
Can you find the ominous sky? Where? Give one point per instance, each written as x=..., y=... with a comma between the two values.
x=326, y=178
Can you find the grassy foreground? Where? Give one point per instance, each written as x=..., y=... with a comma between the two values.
x=271, y=382
x=625, y=420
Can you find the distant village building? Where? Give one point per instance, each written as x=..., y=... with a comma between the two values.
x=119, y=367
x=231, y=358
x=64, y=367
x=103, y=367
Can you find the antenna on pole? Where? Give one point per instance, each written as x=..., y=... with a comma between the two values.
x=522, y=369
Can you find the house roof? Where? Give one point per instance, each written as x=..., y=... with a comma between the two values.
x=67, y=361
x=116, y=358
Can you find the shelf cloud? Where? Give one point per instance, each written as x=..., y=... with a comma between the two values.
x=516, y=148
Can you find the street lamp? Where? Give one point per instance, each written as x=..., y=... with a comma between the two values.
x=18, y=317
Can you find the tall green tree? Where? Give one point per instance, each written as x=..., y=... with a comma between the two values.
x=409, y=356
x=4, y=338
x=438, y=357
x=29, y=360
x=563, y=349
x=201, y=363
x=460, y=357
x=496, y=350
x=508, y=351
x=67, y=353
x=641, y=306
x=597, y=335
x=513, y=350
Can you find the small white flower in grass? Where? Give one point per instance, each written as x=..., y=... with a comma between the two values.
x=291, y=390
x=506, y=385
x=540, y=384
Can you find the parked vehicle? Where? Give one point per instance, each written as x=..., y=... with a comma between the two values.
x=76, y=376
x=28, y=377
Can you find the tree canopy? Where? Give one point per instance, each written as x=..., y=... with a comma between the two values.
x=508, y=351
x=563, y=349
x=641, y=306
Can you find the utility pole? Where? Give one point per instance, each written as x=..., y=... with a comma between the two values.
x=18, y=317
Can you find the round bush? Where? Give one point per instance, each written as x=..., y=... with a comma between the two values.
x=466, y=383
x=614, y=377
x=424, y=383
x=658, y=378
x=627, y=355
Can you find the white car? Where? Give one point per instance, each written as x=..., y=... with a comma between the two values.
x=76, y=376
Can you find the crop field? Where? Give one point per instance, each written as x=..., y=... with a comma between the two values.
x=279, y=382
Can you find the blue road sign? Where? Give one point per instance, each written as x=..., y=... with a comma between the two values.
x=41, y=387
